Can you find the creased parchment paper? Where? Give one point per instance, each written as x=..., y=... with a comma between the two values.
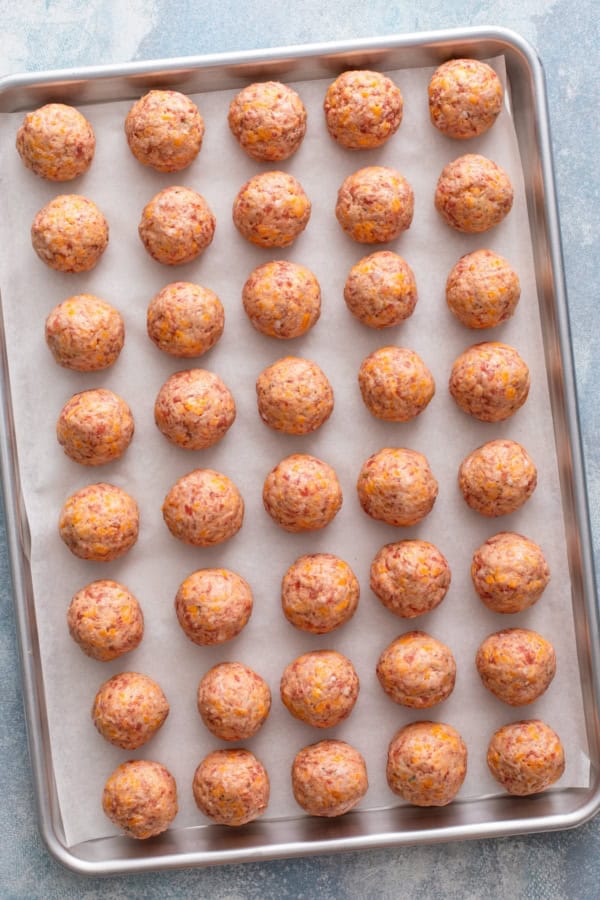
x=261, y=552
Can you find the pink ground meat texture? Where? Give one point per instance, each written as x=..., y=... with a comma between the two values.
x=231, y=787
x=271, y=209
x=381, y=290
x=490, y=381
x=465, y=98
x=100, y=522
x=70, y=234
x=56, y=142
x=268, y=119
x=509, y=572
x=319, y=592
x=164, y=130
x=483, y=289
x=185, y=319
x=85, y=333
x=302, y=493
x=282, y=299
x=526, y=757
x=294, y=396
x=397, y=486
x=233, y=701
x=363, y=109
x=417, y=670
x=329, y=778
x=141, y=798
x=95, y=427
x=375, y=205
x=473, y=194
x=410, y=577
x=427, y=763
x=203, y=508
x=497, y=478
x=320, y=688
x=105, y=620
x=129, y=709
x=194, y=409
x=213, y=605
x=517, y=665
x=177, y=225
x=395, y=384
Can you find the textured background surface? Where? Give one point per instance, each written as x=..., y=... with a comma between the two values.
x=58, y=33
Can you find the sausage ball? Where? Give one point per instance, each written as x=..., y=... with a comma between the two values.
x=465, y=97
x=375, y=205
x=129, y=709
x=490, y=381
x=395, y=384
x=194, y=409
x=397, y=486
x=381, y=290
x=233, y=701
x=302, y=493
x=95, y=427
x=85, y=333
x=282, y=299
x=473, y=194
x=69, y=234
x=329, y=778
x=271, y=209
x=203, y=508
x=497, y=478
x=185, y=319
x=105, y=620
x=320, y=688
x=99, y=522
x=416, y=670
x=213, y=605
x=268, y=119
x=517, y=665
x=294, y=396
x=319, y=592
x=141, y=798
x=509, y=572
x=177, y=225
x=231, y=787
x=56, y=142
x=410, y=578
x=483, y=289
x=363, y=109
x=526, y=757
x=427, y=763
x=164, y=130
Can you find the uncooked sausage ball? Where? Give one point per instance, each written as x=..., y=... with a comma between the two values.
x=302, y=493
x=375, y=205
x=194, y=409
x=141, y=798
x=294, y=396
x=233, y=701
x=99, y=522
x=164, y=130
x=203, y=508
x=490, y=381
x=517, y=665
x=497, y=478
x=381, y=290
x=473, y=194
x=271, y=209
x=129, y=709
x=105, y=620
x=329, y=778
x=526, y=757
x=56, y=142
x=268, y=119
x=213, y=605
x=465, y=97
x=363, y=109
x=177, y=225
x=427, y=763
x=395, y=384
x=483, y=289
x=397, y=486
x=410, y=577
x=95, y=427
x=417, y=671
x=319, y=592
x=185, y=319
x=70, y=234
x=282, y=299
x=320, y=688
x=509, y=572
x=85, y=333
x=231, y=787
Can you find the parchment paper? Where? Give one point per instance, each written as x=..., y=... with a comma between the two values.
x=261, y=552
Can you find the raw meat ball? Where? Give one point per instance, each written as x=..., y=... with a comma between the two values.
x=203, y=508
x=517, y=665
x=329, y=778
x=294, y=396
x=416, y=670
x=129, y=709
x=164, y=130
x=85, y=333
x=427, y=763
x=213, y=605
x=363, y=109
x=141, y=798
x=69, y=234
x=302, y=493
x=381, y=290
x=99, y=522
x=56, y=142
x=319, y=592
x=490, y=381
x=105, y=620
x=509, y=572
x=282, y=299
x=397, y=486
x=375, y=205
x=497, y=478
x=271, y=209
x=395, y=384
x=185, y=319
x=194, y=409
x=320, y=688
x=526, y=757
x=473, y=194
x=268, y=119
x=483, y=289
x=465, y=97
x=410, y=577
x=233, y=701
x=231, y=787
x=95, y=427
x=177, y=225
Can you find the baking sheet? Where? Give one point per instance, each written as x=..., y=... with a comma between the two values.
x=261, y=552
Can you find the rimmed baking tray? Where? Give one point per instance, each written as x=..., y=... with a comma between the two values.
x=374, y=828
